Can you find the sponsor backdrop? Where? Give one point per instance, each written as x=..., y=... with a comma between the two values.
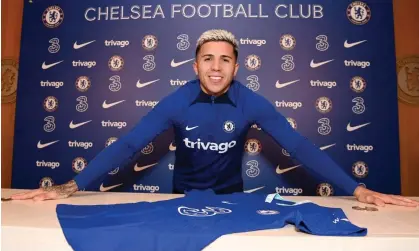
x=89, y=70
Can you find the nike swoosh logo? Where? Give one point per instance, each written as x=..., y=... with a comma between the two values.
x=106, y=106
x=191, y=128
x=141, y=85
x=325, y=147
x=40, y=145
x=104, y=189
x=73, y=126
x=174, y=64
x=141, y=168
x=350, y=128
x=279, y=85
x=253, y=190
x=47, y=66
x=315, y=65
x=78, y=46
x=172, y=147
x=281, y=171
x=349, y=45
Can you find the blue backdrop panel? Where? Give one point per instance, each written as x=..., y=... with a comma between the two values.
x=89, y=71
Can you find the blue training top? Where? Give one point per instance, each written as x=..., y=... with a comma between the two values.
x=210, y=134
x=193, y=222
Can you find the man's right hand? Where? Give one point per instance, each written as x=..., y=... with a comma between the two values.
x=48, y=193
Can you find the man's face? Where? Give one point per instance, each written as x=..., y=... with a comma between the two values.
x=216, y=66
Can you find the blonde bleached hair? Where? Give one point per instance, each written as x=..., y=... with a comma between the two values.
x=217, y=35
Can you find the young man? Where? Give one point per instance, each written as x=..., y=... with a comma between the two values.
x=211, y=116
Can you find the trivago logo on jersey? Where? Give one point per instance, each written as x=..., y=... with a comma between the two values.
x=221, y=148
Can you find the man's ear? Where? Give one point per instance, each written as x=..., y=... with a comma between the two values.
x=195, y=67
x=236, y=68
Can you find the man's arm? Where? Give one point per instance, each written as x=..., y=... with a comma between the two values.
x=49, y=193
x=277, y=126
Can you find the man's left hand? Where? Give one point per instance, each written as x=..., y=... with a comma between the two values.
x=365, y=195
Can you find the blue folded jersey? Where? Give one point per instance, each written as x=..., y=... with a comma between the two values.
x=193, y=222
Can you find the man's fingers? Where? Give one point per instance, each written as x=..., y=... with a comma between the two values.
x=403, y=203
x=45, y=196
x=27, y=195
x=379, y=202
x=392, y=199
x=398, y=197
x=380, y=199
x=371, y=199
x=39, y=197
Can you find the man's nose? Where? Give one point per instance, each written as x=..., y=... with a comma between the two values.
x=215, y=65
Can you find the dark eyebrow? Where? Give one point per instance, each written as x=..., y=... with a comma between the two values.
x=223, y=56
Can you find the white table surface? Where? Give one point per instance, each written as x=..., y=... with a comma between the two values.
x=29, y=225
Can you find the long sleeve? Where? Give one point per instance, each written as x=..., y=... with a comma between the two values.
x=299, y=147
x=151, y=125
